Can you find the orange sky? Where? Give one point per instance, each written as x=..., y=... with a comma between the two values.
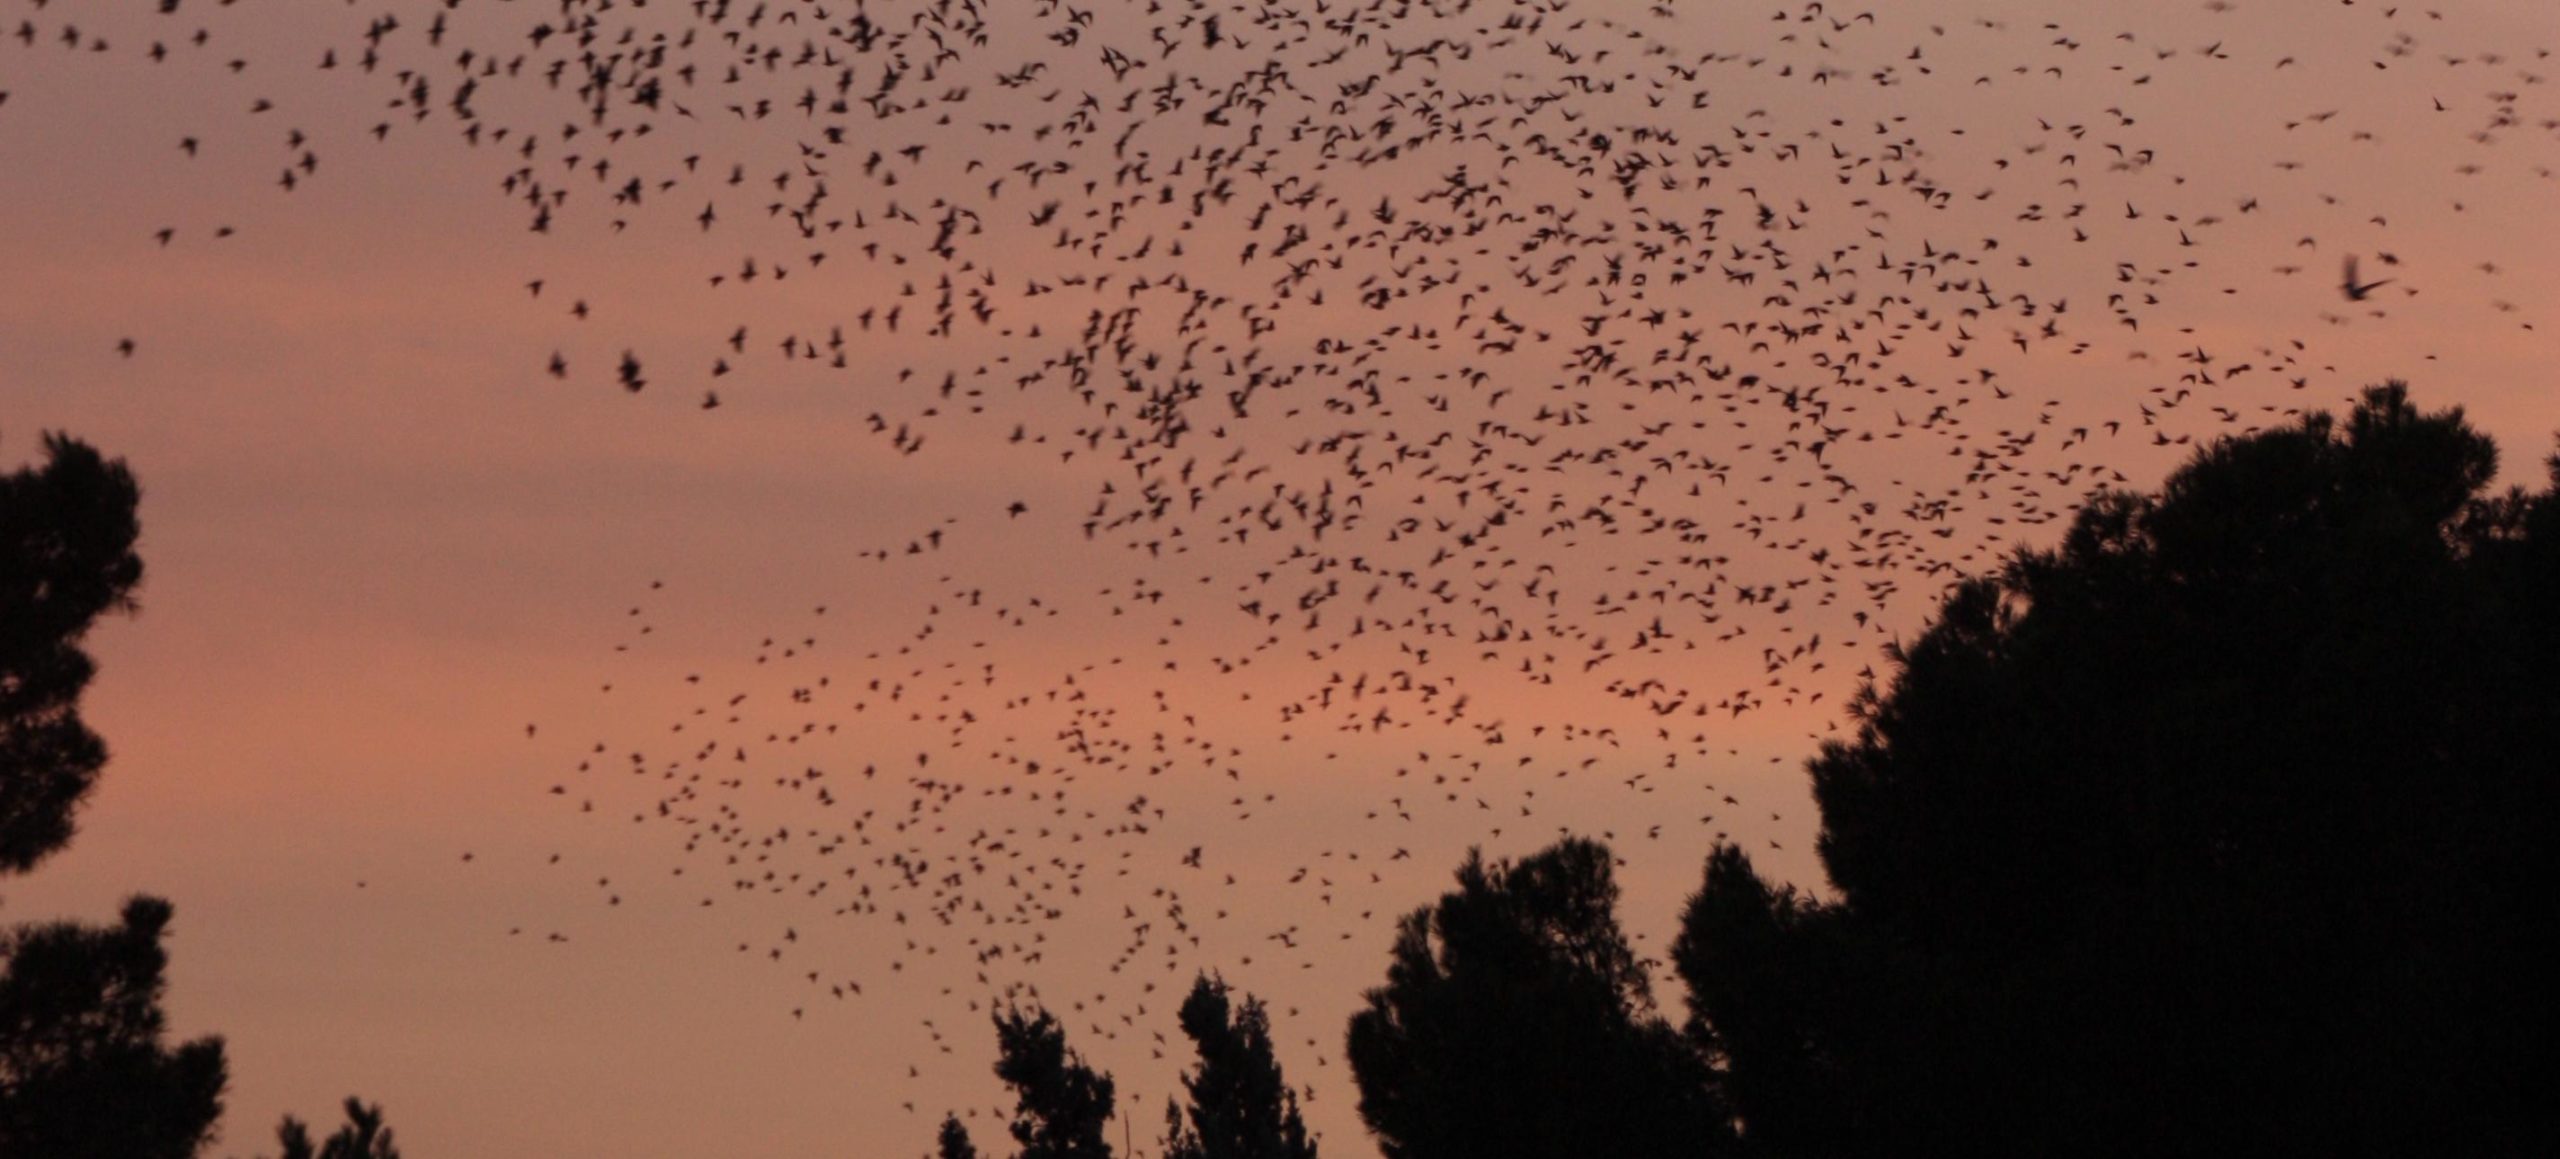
x=381, y=541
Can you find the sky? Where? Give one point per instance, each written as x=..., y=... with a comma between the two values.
x=518, y=748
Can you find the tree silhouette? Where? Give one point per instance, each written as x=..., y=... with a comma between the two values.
x=1241, y=1107
x=1515, y=1021
x=67, y=531
x=2206, y=831
x=1781, y=992
x=953, y=1142
x=363, y=1137
x=1061, y=1106
x=83, y=1071
x=83, y=1067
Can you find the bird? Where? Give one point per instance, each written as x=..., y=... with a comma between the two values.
x=2357, y=291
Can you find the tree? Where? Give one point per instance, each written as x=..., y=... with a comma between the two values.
x=363, y=1137
x=953, y=1142
x=2206, y=831
x=1061, y=1106
x=83, y=1071
x=1781, y=992
x=1241, y=1107
x=67, y=531
x=83, y=1067
x=1515, y=1021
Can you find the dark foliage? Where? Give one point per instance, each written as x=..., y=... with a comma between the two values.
x=83, y=1069
x=1241, y=1107
x=953, y=1141
x=363, y=1137
x=1061, y=1106
x=1780, y=993
x=67, y=531
x=2209, y=831
x=1515, y=1021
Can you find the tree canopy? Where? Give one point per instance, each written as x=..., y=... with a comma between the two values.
x=362, y=1137
x=952, y=1142
x=1062, y=1107
x=1515, y=1021
x=2208, y=830
x=84, y=1070
x=1240, y=1106
x=67, y=531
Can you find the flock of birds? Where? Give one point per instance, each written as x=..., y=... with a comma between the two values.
x=1459, y=411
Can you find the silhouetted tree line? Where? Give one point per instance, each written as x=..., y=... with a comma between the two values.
x=86, y=1071
x=2212, y=830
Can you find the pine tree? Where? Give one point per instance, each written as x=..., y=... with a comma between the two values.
x=953, y=1141
x=1516, y=1022
x=362, y=1137
x=2208, y=831
x=67, y=531
x=1241, y=1107
x=84, y=1070
x=1062, y=1107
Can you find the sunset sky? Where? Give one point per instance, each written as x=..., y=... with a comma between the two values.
x=470, y=716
